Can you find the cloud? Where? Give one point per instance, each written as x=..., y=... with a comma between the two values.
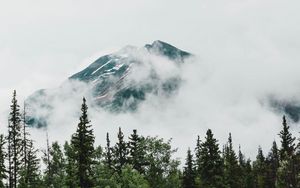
x=246, y=51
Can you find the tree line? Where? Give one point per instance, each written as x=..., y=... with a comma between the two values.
x=140, y=161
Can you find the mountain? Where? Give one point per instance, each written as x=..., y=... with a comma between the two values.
x=118, y=82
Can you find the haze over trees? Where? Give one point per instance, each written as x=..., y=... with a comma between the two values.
x=137, y=161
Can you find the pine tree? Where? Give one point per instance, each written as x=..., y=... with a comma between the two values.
x=108, y=156
x=70, y=167
x=189, y=172
x=33, y=172
x=15, y=142
x=136, y=152
x=287, y=172
x=48, y=178
x=3, y=170
x=272, y=166
x=211, y=162
x=56, y=162
x=287, y=141
x=259, y=168
x=120, y=152
x=231, y=167
x=83, y=144
x=25, y=147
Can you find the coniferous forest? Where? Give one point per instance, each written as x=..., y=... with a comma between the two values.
x=138, y=161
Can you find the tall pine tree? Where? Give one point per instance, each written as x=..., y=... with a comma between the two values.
x=189, y=172
x=120, y=152
x=136, y=152
x=83, y=145
x=211, y=162
x=3, y=154
x=15, y=142
x=231, y=167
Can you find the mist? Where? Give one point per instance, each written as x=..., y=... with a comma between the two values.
x=245, y=52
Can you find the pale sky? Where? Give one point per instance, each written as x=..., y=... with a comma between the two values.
x=247, y=49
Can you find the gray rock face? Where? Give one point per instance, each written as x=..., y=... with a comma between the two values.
x=117, y=82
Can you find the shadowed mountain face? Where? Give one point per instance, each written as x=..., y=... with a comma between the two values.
x=118, y=82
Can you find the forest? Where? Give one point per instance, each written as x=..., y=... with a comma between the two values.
x=138, y=161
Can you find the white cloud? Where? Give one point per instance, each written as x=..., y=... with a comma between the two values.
x=247, y=50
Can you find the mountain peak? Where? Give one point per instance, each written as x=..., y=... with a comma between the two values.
x=163, y=48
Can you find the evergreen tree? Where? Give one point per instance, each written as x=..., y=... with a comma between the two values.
x=231, y=167
x=287, y=172
x=211, y=162
x=15, y=142
x=259, y=168
x=189, y=172
x=55, y=172
x=24, y=178
x=83, y=145
x=70, y=167
x=272, y=166
x=287, y=141
x=120, y=152
x=108, y=156
x=136, y=152
x=32, y=168
x=3, y=170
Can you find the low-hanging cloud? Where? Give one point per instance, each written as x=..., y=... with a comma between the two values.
x=246, y=51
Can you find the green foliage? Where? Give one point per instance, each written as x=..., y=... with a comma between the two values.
x=83, y=145
x=189, y=172
x=120, y=152
x=14, y=142
x=161, y=167
x=232, y=176
x=211, y=173
x=3, y=155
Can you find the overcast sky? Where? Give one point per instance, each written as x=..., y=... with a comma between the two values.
x=246, y=50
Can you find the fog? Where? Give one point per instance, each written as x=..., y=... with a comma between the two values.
x=245, y=51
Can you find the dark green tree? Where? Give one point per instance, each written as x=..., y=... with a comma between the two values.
x=272, y=163
x=162, y=169
x=108, y=155
x=189, y=172
x=15, y=142
x=3, y=154
x=232, y=174
x=120, y=152
x=259, y=168
x=287, y=141
x=55, y=173
x=70, y=168
x=83, y=145
x=136, y=152
x=211, y=162
x=32, y=167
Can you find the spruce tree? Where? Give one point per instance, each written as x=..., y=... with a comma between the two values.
x=231, y=167
x=259, y=168
x=56, y=161
x=189, y=172
x=3, y=154
x=287, y=141
x=136, y=152
x=83, y=145
x=287, y=172
x=15, y=142
x=32, y=167
x=120, y=152
x=25, y=147
x=108, y=155
x=272, y=166
x=70, y=167
x=211, y=162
